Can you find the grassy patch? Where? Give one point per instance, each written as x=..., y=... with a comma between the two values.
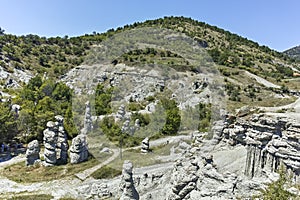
x=141, y=160
x=106, y=172
x=22, y=174
x=30, y=197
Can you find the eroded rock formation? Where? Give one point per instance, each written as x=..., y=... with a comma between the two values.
x=55, y=142
x=145, y=145
x=32, y=152
x=270, y=142
x=88, y=123
x=79, y=149
x=127, y=186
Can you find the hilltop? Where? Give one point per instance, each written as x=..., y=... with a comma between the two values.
x=293, y=52
x=234, y=55
x=198, y=109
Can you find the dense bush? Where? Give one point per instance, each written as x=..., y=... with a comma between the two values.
x=204, y=117
x=40, y=100
x=103, y=99
x=173, y=117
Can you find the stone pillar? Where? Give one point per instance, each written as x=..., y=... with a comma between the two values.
x=32, y=152
x=62, y=141
x=127, y=186
x=88, y=123
x=50, y=141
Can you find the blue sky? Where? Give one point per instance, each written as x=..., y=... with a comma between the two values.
x=274, y=23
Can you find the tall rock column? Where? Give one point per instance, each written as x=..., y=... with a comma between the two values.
x=62, y=141
x=127, y=186
x=50, y=141
x=88, y=123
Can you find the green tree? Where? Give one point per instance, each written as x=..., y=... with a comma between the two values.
x=276, y=190
x=1, y=31
x=102, y=100
x=8, y=128
x=173, y=117
x=204, y=116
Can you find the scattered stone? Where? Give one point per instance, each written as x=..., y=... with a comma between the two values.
x=32, y=152
x=105, y=150
x=137, y=124
x=145, y=145
x=127, y=186
x=79, y=149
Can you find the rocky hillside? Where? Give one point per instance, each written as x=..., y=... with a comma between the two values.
x=293, y=52
x=253, y=74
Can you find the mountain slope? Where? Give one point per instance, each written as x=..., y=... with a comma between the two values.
x=233, y=55
x=293, y=52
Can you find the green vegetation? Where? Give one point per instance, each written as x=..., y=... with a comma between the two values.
x=39, y=54
x=40, y=173
x=205, y=117
x=31, y=197
x=173, y=117
x=106, y=172
x=103, y=99
x=114, y=133
x=40, y=100
x=8, y=128
x=277, y=189
x=150, y=56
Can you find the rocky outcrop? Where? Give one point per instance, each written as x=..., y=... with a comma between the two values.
x=127, y=186
x=145, y=145
x=270, y=142
x=79, y=149
x=55, y=142
x=32, y=153
x=195, y=176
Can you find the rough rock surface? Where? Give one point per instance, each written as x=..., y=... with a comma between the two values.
x=79, y=149
x=32, y=152
x=145, y=145
x=127, y=185
x=120, y=113
x=55, y=142
x=50, y=141
x=88, y=123
x=270, y=142
x=62, y=141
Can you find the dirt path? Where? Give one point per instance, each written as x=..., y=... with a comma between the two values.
x=262, y=80
x=295, y=105
x=12, y=161
x=69, y=186
x=86, y=173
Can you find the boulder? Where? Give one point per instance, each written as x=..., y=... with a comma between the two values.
x=79, y=149
x=145, y=145
x=32, y=152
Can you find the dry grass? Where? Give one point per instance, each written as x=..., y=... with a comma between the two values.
x=22, y=174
